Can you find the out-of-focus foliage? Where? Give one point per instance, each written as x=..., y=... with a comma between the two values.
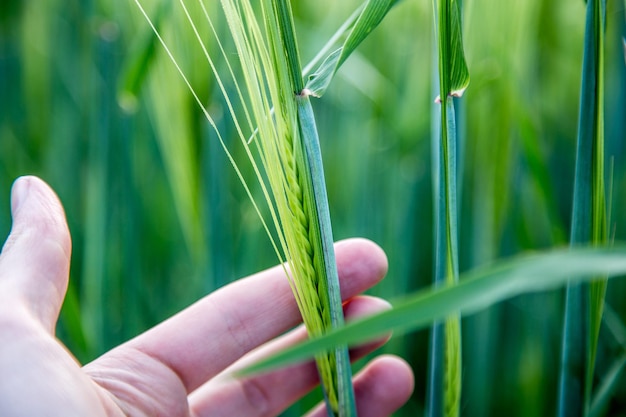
x=159, y=219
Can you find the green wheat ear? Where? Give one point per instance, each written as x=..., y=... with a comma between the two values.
x=288, y=150
x=277, y=130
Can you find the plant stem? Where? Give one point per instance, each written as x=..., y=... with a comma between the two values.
x=444, y=389
x=308, y=133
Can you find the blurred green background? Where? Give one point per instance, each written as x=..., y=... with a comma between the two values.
x=90, y=103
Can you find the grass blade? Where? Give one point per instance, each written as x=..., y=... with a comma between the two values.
x=607, y=388
x=476, y=291
x=584, y=302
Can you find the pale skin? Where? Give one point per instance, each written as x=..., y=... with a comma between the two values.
x=182, y=367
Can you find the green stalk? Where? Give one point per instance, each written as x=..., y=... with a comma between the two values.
x=584, y=302
x=444, y=389
x=444, y=384
x=309, y=136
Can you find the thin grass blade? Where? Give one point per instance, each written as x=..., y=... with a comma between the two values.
x=607, y=388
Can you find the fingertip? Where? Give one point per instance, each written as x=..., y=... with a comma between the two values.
x=380, y=389
x=365, y=305
x=361, y=263
x=399, y=372
x=384, y=386
x=34, y=205
x=367, y=251
x=361, y=307
x=19, y=192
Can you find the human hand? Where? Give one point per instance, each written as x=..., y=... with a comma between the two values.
x=182, y=366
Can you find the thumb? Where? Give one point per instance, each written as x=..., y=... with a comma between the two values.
x=34, y=263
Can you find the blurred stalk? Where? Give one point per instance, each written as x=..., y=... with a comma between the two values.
x=584, y=302
x=444, y=389
x=218, y=204
x=130, y=224
x=11, y=104
x=95, y=265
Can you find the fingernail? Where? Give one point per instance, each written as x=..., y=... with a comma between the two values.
x=19, y=193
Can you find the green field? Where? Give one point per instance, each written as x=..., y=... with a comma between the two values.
x=90, y=102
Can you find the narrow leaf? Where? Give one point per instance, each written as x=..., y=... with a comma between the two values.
x=369, y=18
x=456, y=77
x=476, y=291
